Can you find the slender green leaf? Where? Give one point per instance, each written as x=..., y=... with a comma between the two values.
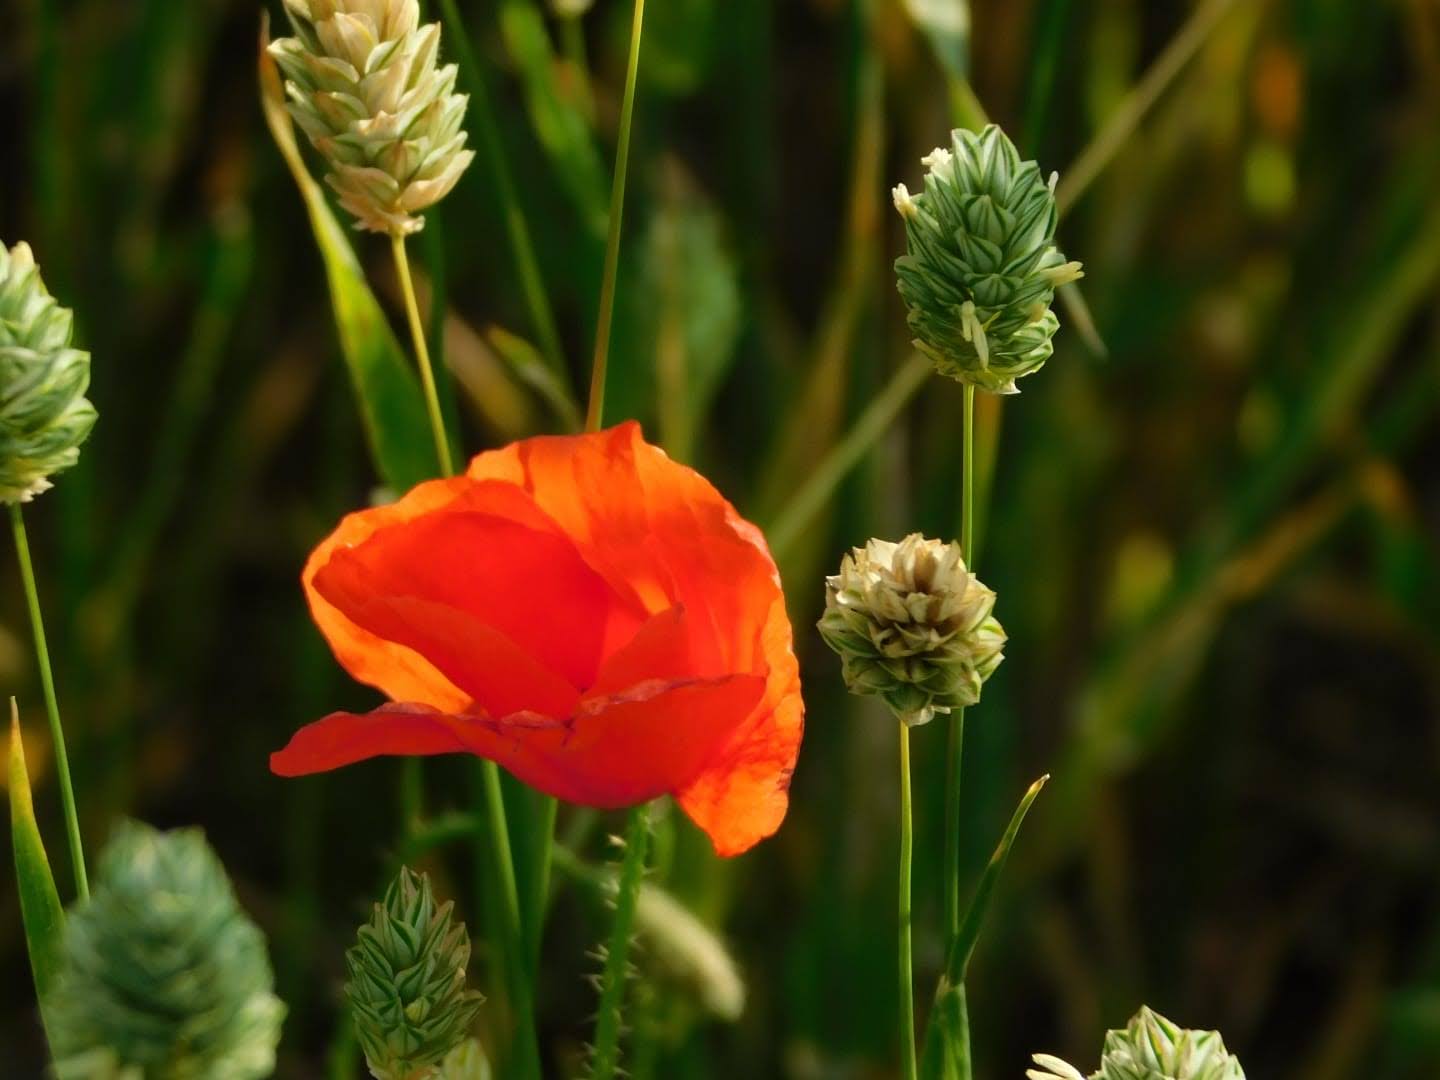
x=40, y=908
x=387, y=387
x=557, y=116
x=946, y=1054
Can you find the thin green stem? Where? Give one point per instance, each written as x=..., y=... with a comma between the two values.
x=539, y=900
x=956, y=750
x=595, y=415
x=52, y=706
x=526, y=1048
x=527, y=265
x=909, y=1069
x=612, y=981
x=422, y=357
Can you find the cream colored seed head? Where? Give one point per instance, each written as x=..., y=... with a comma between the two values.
x=364, y=85
x=913, y=626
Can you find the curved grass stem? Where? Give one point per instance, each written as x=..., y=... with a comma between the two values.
x=595, y=414
x=606, y=1060
x=52, y=706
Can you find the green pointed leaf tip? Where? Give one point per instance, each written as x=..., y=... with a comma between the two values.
x=1151, y=1047
x=406, y=985
x=981, y=267
x=165, y=977
x=44, y=414
x=40, y=908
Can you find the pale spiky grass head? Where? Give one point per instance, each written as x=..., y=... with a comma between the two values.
x=981, y=266
x=1151, y=1047
x=913, y=626
x=407, y=981
x=44, y=414
x=365, y=85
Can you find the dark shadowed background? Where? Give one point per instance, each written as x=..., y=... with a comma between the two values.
x=1215, y=546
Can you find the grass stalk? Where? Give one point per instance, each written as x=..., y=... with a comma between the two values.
x=606, y=1060
x=595, y=415
x=908, y=1064
x=52, y=705
x=956, y=749
x=422, y=357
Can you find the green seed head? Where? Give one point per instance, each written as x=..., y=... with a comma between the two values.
x=406, y=982
x=165, y=976
x=1152, y=1048
x=44, y=416
x=365, y=86
x=913, y=626
x=981, y=267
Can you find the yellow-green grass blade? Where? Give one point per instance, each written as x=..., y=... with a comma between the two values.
x=40, y=908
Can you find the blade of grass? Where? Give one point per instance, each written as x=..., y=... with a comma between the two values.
x=522, y=247
x=1127, y=117
x=559, y=123
x=40, y=908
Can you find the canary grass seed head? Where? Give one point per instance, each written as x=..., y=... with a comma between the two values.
x=164, y=977
x=44, y=414
x=365, y=85
x=981, y=267
x=912, y=626
x=407, y=982
x=1151, y=1047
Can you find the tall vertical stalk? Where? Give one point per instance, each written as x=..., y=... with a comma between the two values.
x=52, y=706
x=909, y=1069
x=606, y=1059
x=956, y=750
x=422, y=357
x=595, y=416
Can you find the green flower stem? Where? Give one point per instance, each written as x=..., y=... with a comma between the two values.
x=909, y=1069
x=52, y=706
x=422, y=357
x=595, y=415
x=612, y=985
x=956, y=750
x=527, y=265
x=526, y=1048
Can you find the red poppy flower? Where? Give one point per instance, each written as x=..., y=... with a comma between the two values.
x=582, y=610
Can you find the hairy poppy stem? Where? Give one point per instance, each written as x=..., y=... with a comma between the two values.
x=606, y=1059
x=52, y=706
x=422, y=357
x=595, y=415
x=909, y=1068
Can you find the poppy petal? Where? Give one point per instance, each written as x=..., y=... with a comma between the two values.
x=615, y=752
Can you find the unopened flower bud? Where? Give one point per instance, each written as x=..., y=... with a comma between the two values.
x=364, y=85
x=981, y=267
x=44, y=416
x=913, y=626
x=406, y=982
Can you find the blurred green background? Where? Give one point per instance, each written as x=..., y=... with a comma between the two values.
x=1215, y=545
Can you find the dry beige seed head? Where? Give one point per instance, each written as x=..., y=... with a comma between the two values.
x=913, y=626
x=364, y=85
